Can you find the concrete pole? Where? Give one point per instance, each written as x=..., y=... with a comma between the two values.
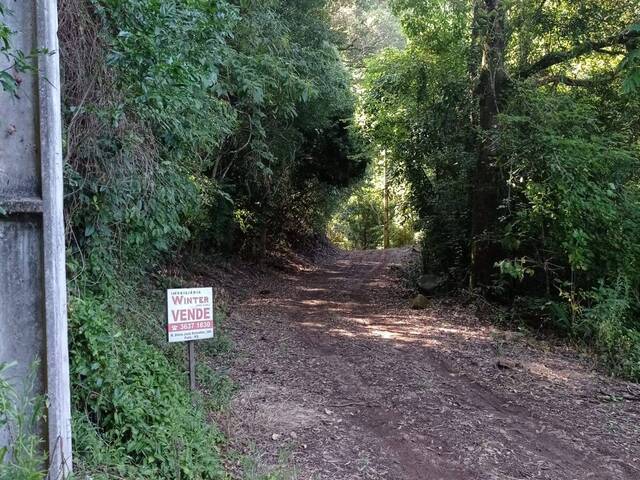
x=59, y=414
x=33, y=308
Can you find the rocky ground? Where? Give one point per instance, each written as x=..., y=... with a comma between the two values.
x=339, y=379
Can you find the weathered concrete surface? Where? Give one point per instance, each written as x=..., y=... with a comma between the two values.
x=33, y=325
x=19, y=162
x=22, y=323
x=22, y=327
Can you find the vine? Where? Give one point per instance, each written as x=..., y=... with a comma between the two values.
x=15, y=61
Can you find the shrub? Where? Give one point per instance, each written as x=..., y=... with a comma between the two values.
x=133, y=415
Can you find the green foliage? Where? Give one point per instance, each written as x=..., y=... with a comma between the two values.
x=21, y=414
x=575, y=198
x=134, y=417
x=211, y=110
x=368, y=27
x=417, y=109
x=564, y=154
x=216, y=386
x=610, y=323
x=579, y=184
x=17, y=61
x=359, y=220
x=631, y=65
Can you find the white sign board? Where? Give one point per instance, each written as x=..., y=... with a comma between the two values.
x=190, y=314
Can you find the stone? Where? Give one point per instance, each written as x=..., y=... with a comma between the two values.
x=507, y=364
x=420, y=302
x=428, y=283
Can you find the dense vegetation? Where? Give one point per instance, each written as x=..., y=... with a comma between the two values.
x=226, y=123
x=506, y=131
x=515, y=124
x=196, y=126
x=375, y=213
x=192, y=126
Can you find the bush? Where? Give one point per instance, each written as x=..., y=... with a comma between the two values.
x=133, y=414
x=574, y=227
x=224, y=123
x=610, y=323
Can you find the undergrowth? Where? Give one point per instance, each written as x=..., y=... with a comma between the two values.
x=21, y=416
x=134, y=417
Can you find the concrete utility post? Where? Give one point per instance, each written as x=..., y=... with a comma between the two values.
x=33, y=311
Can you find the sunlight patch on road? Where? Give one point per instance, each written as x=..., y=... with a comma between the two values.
x=342, y=332
x=313, y=324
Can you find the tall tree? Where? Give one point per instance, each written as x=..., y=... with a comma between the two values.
x=489, y=91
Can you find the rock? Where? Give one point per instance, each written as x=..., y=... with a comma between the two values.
x=506, y=364
x=428, y=283
x=420, y=302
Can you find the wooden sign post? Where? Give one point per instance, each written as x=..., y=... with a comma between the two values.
x=192, y=365
x=190, y=317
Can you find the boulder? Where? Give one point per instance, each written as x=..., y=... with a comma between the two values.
x=420, y=302
x=428, y=283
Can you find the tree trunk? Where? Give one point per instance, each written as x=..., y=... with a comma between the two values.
x=387, y=242
x=486, y=188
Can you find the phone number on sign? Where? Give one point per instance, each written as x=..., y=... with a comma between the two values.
x=184, y=327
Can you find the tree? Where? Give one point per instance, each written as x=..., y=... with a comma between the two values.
x=367, y=26
x=516, y=127
x=489, y=30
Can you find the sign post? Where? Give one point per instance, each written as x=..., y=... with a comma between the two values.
x=192, y=365
x=190, y=317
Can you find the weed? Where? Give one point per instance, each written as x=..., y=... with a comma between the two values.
x=21, y=416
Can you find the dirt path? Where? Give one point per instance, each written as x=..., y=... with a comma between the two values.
x=340, y=380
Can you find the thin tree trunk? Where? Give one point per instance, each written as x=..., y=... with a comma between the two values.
x=387, y=242
x=485, y=250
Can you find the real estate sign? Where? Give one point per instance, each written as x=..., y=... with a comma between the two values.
x=190, y=314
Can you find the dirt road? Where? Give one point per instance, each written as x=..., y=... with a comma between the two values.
x=338, y=379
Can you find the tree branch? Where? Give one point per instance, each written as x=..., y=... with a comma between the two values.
x=611, y=52
x=575, y=82
x=555, y=58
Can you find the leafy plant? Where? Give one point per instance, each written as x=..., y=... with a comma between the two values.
x=21, y=416
x=18, y=61
x=133, y=412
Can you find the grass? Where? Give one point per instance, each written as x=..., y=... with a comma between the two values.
x=255, y=466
